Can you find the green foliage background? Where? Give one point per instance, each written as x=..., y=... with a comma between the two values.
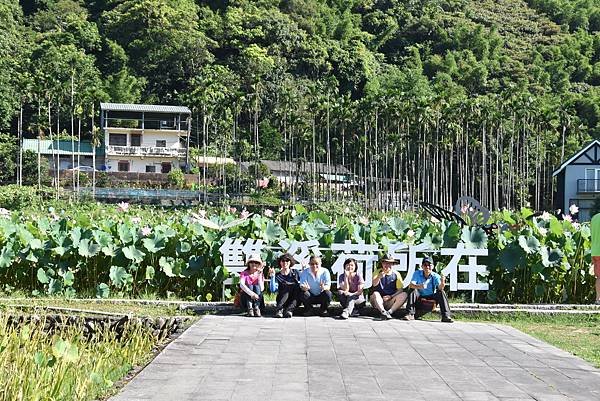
x=128, y=251
x=485, y=79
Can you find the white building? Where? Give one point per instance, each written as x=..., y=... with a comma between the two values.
x=145, y=138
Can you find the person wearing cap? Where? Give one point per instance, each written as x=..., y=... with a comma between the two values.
x=286, y=284
x=315, y=284
x=388, y=294
x=252, y=285
x=350, y=288
x=427, y=284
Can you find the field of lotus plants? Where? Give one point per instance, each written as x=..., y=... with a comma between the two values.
x=122, y=250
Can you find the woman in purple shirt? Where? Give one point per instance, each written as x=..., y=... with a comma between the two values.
x=350, y=285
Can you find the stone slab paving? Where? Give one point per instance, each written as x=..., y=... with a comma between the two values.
x=237, y=358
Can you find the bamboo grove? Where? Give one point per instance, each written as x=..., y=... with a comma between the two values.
x=422, y=100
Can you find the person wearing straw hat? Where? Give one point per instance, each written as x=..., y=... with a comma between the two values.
x=388, y=294
x=286, y=283
x=252, y=285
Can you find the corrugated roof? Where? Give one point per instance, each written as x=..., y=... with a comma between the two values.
x=60, y=147
x=147, y=108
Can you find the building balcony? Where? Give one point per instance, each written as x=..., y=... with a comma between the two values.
x=588, y=186
x=113, y=150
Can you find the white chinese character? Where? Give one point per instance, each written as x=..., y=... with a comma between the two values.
x=301, y=251
x=233, y=251
x=408, y=262
x=364, y=260
x=472, y=268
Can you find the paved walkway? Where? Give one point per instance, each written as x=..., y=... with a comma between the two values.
x=237, y=358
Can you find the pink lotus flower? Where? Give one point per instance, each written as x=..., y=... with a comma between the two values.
x=262, y=183
x=576, y=225
x=232, y=210
x=410, y=233
x=123, y=206
x=202, y=213
x=363, y=220
x=567, y=217
x=268, y=213
x=545, y=216
x=146, y=231
x=244, y=214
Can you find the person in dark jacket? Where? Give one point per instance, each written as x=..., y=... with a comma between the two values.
x=285, y=283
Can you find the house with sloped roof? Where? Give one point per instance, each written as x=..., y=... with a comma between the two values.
x=145, y=138
x=578, y=181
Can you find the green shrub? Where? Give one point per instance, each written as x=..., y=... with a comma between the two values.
x=176, y=178
x=13, y=197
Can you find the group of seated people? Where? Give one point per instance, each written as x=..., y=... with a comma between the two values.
x=312, y=286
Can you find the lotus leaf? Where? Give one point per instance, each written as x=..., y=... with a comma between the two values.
x=474, y=237
x=119, y=276
x=134, y=254
x=529, y=243
x=42, y=277
x=88, y=249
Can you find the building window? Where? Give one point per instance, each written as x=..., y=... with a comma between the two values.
x=161, y=144
x=136, y=140
x=165, y=168
x=117, y=139
x=151, y=169
x=123, y=165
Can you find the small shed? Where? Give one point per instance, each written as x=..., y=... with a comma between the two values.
x=578, y=181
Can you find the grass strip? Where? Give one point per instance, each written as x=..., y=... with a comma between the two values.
x=38, y=366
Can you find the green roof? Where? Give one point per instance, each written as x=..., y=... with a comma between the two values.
x=60, y=147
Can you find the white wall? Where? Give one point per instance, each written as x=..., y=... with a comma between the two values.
x=584, y=200
x=138, y=165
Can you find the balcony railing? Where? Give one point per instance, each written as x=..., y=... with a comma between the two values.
x=588, y=186
x=144, y=151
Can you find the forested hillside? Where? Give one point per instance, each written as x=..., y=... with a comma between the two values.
x=436, y=98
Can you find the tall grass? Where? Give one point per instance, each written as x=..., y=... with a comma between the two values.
x=36, y=366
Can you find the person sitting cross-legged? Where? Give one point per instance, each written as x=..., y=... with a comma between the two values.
x=315, y=284
x=350, y=288
x=286, y=284
x=427, y=284
x=388, y=294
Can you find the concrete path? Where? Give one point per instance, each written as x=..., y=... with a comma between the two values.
x=236, y=358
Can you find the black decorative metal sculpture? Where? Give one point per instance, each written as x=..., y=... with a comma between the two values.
x=468, y=207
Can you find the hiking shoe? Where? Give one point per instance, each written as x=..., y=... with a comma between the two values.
x=408, y=317
x=288, y=313
x=279, y=313
x=324, y=313
x=385, y=315
x=257, y=312
x=447, y=319
x=250, y=312
x=344, y=315
x=355, y=313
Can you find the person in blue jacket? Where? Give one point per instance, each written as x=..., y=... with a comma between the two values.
x=286, y=284
x=427, y=284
